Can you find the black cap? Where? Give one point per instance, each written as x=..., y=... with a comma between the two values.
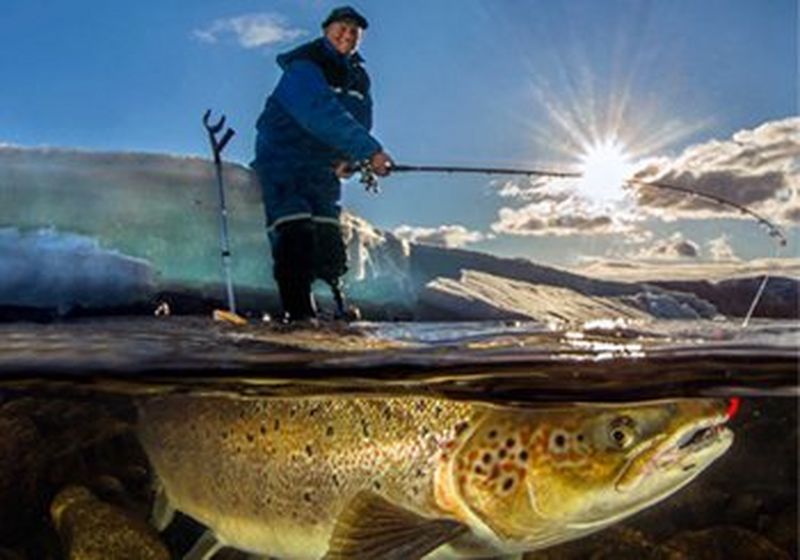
x=345, y=13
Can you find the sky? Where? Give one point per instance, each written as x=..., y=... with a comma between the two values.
x=699, y=93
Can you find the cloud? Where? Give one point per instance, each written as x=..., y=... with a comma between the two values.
x=675, y=247
x=571, y=215
x=720, y=250
x=451, y=236
x=250, y=30
x=537, y=189
x=757, y=168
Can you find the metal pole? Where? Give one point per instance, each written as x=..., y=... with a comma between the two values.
x=216, y=147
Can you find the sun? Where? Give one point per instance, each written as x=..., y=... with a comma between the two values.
x=604, y=166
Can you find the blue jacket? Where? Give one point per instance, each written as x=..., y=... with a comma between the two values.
x=319, y=113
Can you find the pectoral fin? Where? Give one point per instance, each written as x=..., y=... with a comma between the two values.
x=371, y=527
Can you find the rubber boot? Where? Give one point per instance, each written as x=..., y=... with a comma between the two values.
x=293, y=254
x=297, y=299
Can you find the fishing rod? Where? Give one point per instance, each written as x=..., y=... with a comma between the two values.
x=369, y=179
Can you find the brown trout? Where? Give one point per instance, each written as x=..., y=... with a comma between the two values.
x=405, y=477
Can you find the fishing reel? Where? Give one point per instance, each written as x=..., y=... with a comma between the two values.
x=367, y=176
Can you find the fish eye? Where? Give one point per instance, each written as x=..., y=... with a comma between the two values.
x=622, y=431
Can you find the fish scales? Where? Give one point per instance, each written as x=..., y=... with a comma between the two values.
x=297, y=462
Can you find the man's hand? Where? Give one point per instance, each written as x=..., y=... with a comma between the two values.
x=381, y=164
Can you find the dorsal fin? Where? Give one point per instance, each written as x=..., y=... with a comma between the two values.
x=371, y=527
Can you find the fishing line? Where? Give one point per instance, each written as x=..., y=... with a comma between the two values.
x=759, y=292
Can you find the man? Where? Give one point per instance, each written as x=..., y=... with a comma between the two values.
x=315, y=124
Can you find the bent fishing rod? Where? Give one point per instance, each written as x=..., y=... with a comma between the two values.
x=370, y=181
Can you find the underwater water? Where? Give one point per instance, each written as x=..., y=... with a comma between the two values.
x=245, y=427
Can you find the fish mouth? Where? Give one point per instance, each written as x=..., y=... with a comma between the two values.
x=709, y=437
x=691, y=448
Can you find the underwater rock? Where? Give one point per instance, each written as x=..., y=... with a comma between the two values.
x=781, y=529
x=6, y=554
x=91, y=529
x=721, y=543
x=615, y=543
x=45, y=444
x=20, y=470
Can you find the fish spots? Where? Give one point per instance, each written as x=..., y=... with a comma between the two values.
x=276, y=425
x=335, y=480
x=263, y=430
x=250, y=438
x=307, y=497
x=492, y=434
x=329, y=431
x=365, y=428
x=508, y=484
x=523, y=456
x=376, y=485
x=309, y=451
x=559, y=442
x=460, y=428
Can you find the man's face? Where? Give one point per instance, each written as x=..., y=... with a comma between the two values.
x=344, y=35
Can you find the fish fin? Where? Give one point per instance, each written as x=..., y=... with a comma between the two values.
x=205, y=548
x=371, y=527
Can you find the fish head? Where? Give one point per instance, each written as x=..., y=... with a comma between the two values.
x=539, y=477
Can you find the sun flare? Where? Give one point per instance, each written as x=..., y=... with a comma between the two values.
x=605, y=167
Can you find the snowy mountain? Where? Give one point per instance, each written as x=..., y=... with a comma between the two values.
x=84, y=232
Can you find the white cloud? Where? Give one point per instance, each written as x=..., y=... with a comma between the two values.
x=757, y=168
x=571, y=215
x=643, y=249
x=250, y=30
x=674, y=247
x=720, y=250
x=444, y=236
